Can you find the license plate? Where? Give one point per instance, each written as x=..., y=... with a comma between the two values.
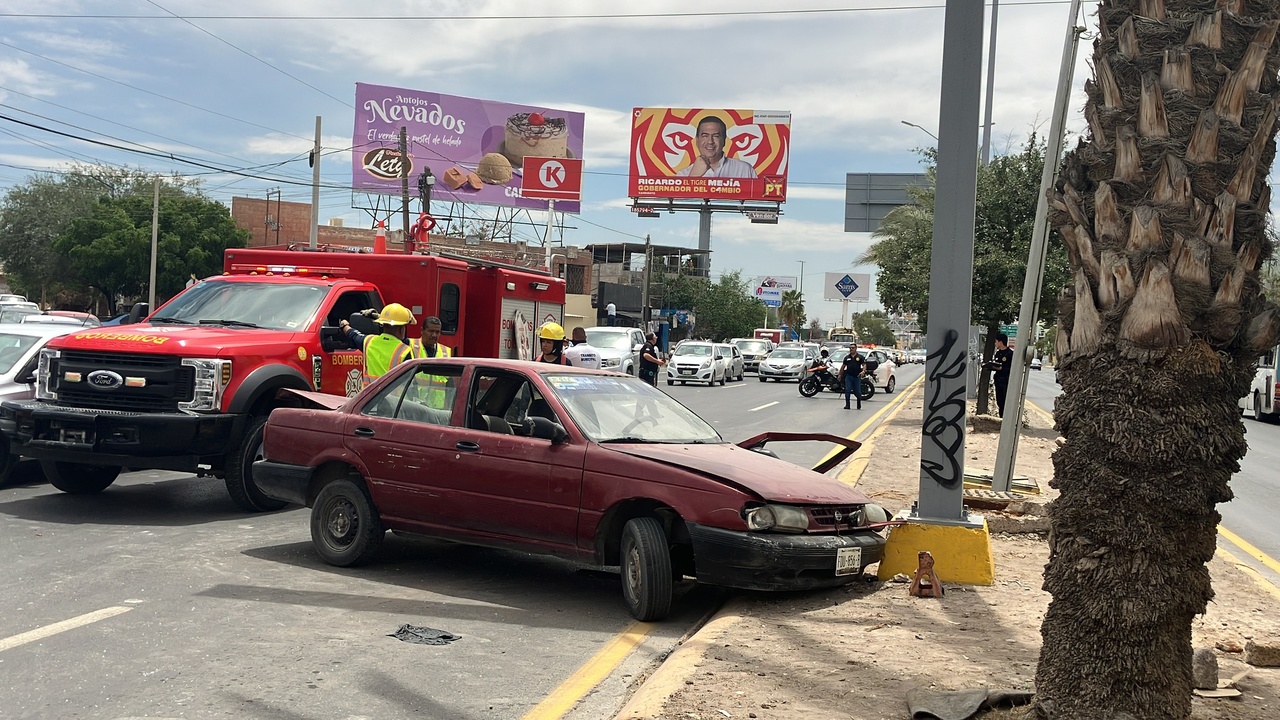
x=848, y=560
x=686, y=371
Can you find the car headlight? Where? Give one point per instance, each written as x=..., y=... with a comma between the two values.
x=706, y=364
x=212, y=378
x=783, y=518
x=44, y=369
x=610, y=362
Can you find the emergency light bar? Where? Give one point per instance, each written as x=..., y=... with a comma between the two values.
x=289, y=270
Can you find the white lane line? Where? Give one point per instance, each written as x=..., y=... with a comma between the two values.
x=775, y=402
x=58, y=627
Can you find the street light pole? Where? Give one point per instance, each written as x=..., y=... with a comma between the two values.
x=801, y=284
x=926, y=132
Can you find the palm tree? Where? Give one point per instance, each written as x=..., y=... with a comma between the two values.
x=1163, y=211
x=791, y=312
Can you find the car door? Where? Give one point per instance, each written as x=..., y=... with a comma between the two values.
x=514, y=489
x=637, y=339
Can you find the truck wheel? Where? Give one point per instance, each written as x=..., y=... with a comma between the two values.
x=79, y=478
x=345, y=527
x=646, y=569
x=239, y=477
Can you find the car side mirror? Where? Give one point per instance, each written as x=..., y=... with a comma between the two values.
x=545, y=429
x=136, y=313
x=28, y=379
x=638, y=347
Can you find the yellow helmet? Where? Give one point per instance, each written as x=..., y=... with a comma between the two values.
x=551, y=331
x=395, y=314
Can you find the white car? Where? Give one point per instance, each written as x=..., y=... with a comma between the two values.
x=697, y=362
x=1036, y=364
x=885, y=377
x=734, y=363
x=619, y=347
x=20, y=345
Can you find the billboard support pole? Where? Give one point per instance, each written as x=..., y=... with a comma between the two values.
x=313, y=235
x=704, y=243
x=546, y=239
x=404, y=178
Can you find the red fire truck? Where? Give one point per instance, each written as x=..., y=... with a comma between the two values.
x=191, y=386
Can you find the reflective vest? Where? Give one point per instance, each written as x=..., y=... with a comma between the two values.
x=378, y=352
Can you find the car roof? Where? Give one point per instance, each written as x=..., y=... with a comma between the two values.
x=41, y=330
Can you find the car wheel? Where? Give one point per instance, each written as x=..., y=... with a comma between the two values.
x=79, y=478
x=1257, y=408
x=239, y=474
x=646, y=569
x=722, y=379
x=682, y=383
x=671, y=382
x=345, y=527
x=763, y=378
x=893, y=383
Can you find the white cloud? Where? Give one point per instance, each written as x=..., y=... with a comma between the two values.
x=65, y=44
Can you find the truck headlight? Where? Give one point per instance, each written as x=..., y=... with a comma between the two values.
x=44, y=370
x=610, y=362
x=212, y=378
x=783, y=518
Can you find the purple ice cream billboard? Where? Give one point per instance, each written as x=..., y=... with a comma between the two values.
x=475, y=148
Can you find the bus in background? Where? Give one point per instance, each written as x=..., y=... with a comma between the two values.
x=842, y=336
x=1262, y=403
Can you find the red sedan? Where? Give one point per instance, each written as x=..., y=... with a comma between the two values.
x=587, y=465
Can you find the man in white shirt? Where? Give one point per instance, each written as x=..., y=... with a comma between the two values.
x=580, y=354
x=611, y=314
x=711, y=161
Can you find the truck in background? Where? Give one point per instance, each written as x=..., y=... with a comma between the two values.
x=1263, y=400
x=190, y=387
x=774, y=335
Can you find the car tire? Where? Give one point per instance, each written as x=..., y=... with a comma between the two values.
x=345, y=527
x=78, y=478
x=893, y=383
x=682, y=383
x=723, y=378
x=646, y=569
x=1257, y=408
x=670, y=383
x=239, y=471
x=762, y=378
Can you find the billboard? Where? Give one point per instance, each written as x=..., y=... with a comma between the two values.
x=709, y=154
x=847, y=286
x=769, y=288
x=475, y=148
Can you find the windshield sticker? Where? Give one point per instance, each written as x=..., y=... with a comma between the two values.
x=594, y=382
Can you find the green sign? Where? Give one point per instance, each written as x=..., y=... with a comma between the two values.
x=1010, y=330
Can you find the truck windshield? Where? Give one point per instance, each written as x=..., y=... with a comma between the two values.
x=610, y=339
x=276, y=306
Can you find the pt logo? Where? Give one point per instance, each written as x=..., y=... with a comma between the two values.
x=551, y=174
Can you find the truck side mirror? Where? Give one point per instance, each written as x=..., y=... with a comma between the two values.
x=332, y=338
x=136, y=313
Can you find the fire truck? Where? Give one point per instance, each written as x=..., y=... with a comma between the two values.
x=190, y=387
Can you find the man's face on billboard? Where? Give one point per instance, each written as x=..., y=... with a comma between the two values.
x=710, y=140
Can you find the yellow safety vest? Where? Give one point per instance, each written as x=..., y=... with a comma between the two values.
x=378, y=353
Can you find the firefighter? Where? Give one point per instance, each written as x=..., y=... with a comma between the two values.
x=552, y=336
x=391, y=347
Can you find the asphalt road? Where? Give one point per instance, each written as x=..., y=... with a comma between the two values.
x=159, y=598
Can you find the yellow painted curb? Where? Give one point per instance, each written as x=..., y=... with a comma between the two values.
x=1244, y=568
x=853, y=469
x=961, y=555
x=648, y=700
x=592, y=673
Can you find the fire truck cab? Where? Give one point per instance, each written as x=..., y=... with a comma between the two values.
x=191, y=386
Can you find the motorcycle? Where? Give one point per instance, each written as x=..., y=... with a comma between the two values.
x=819, y=378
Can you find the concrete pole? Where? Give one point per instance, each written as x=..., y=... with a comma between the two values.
x=155, y=241
x=991, y=83
x=942, y=451
x=313, y=236
x=1007, y=452
x=704, y=241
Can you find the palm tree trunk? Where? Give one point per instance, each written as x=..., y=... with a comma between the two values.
x=1163, y=210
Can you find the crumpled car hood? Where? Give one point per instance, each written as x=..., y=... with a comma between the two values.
x=772, y=479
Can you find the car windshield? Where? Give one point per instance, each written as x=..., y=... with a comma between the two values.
x=787, y=354
x=838, y=354
x=13, y=315
x=277, y=306
x=752, y=346
x=12, y=348
x=619, y=408
x=694, y=350
x=611, y=340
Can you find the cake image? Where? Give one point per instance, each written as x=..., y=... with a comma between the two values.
x=532, y=135
x=494, y=169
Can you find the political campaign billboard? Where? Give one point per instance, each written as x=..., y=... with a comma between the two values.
x=709, y=154
x=475, y=148
x=769, y=288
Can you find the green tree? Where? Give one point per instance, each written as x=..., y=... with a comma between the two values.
x=791, y=311
x=110, y=249
x=1162, y=208
x=1005, y=214
x=873, y=327
x=723, y=309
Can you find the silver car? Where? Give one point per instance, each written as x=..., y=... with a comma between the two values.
x=786, y=363
x=619, y=347
x=753, y=351
x=695, y=361
x=733, y=363
x=20, y=346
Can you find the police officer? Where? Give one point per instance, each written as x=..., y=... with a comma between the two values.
x=851, y=372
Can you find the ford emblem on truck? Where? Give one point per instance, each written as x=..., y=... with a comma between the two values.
x=105, y=379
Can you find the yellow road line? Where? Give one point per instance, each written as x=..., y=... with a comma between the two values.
x=896, y=402
x=1242, y=567
x=1250, y=550
x=857, y=465
x=1045, y=413
x=59, y=627
x=576, y=686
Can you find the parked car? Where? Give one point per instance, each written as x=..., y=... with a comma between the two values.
x=1036, y=364
x=786, y=363
x=14, y=312
x=753, y=351
x=63, y=317
x=734, y=365
x=619, y=347
x=583, y=464
x=20, y=346
x=697, y=361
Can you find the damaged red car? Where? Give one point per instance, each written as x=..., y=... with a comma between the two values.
x=591, y=466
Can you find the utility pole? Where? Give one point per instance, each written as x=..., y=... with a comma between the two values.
x=648, y=268
x=404, y=177
x=314, y=235
x=991, y=84
x=155, y=239
x=546, y=239
x=802, y=291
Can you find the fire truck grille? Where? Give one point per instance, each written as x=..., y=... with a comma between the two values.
x=149, y=383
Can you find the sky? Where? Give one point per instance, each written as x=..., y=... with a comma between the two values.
x=237, y=85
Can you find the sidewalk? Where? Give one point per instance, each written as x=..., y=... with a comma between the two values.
x=854, y=652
